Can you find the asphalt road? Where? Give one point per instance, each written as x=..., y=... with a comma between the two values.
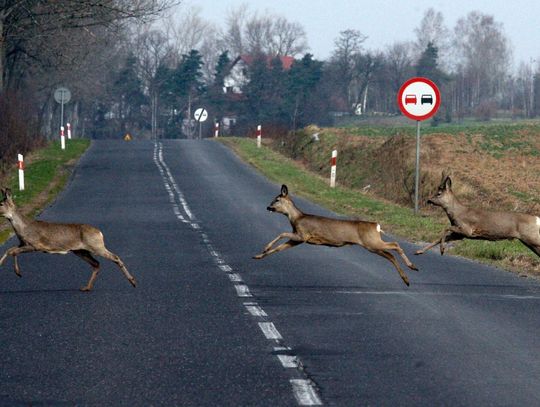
x=209, y=326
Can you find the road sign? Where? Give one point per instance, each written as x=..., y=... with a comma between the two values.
x=419, y=98
x=62, y=95
x=200, y=114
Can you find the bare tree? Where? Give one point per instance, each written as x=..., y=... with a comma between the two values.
x=399, y=63
x=153, y=49
x=268, y=34
x=483, y=55
x=433, y=30
x=24, y=22
x=345, y=61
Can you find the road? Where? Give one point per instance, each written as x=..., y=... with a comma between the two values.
x=209, y=326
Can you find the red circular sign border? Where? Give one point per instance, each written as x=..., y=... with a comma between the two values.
x=437, y=95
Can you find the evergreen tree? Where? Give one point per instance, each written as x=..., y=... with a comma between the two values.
x=303, y=78
x=127, y=90
x=216, y=94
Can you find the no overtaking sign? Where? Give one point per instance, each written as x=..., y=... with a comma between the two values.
x=419, y=98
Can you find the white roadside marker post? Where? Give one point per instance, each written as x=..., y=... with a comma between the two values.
x=68, y=131
x=333, y=163
x=259, y=136
x=20, y=165
x=62, y=138
x=216, y=129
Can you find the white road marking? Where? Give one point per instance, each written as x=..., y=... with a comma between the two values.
x=255, y=310
x=235, y=278
x=436, y=294
x=270, y=331
x=242, y=290
x=304, y=393
x=303, y=389
x=288, y=361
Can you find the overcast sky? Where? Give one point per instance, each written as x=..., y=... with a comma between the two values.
x=387, y=21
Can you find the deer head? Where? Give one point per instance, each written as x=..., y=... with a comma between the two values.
x=7, y=206
x=281, y=203
x=444, y=194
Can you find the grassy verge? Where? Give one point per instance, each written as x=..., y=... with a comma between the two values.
x=393, y=218
x=46, y=173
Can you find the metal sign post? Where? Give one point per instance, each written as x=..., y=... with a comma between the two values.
x=62, y=95
x=418, y=99
x=200, y=116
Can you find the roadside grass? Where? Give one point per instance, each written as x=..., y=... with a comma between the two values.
x=46, y=174
x=394, y=219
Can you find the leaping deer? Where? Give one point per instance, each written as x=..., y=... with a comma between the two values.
x=61, y=238
x=320, y=230
x=473, y=223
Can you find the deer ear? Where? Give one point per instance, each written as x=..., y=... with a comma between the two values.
x=284, y=190
x=448, y=183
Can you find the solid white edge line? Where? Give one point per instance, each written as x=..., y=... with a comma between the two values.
x=304, y=393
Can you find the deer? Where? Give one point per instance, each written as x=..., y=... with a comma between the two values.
x=320, y=230
x=481, y=224
x=83, y=240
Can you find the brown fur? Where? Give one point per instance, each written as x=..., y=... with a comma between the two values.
x=473, y=223
x=61, y=238
x=320, y=230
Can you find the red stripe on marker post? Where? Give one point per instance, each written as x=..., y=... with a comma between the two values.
x=62, y=138
x=20, y=165
x=333, y=163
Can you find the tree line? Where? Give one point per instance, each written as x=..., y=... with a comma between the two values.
x=131, y=73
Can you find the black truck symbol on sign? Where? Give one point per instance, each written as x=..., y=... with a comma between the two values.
x=426, y=99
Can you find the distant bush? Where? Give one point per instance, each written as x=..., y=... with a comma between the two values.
x=18, y=133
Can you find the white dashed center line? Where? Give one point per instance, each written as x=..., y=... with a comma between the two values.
x=304, y=390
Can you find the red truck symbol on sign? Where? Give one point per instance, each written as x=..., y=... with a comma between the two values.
x=410, y=99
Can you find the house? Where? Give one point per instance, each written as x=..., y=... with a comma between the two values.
x=237, y=77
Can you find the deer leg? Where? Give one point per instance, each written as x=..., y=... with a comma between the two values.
x=288, y=235
x=391, y=258
x=87, y=257
x=395, y=246
x=455, y=234
x=444, y=238
x=114, y=258
x=534, y=247
x=288, y=244
x=15, y=251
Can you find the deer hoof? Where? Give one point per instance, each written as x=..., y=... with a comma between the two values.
x=133, y=282
x=413, y=267
x=258, y=256
x=416, y=253
x=85, y=289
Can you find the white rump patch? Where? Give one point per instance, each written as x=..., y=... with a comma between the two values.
x=379, y=228
x=537, y=221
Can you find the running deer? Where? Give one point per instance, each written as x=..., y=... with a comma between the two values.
x=482, y=224
x=319, y=230
x=60, y=238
